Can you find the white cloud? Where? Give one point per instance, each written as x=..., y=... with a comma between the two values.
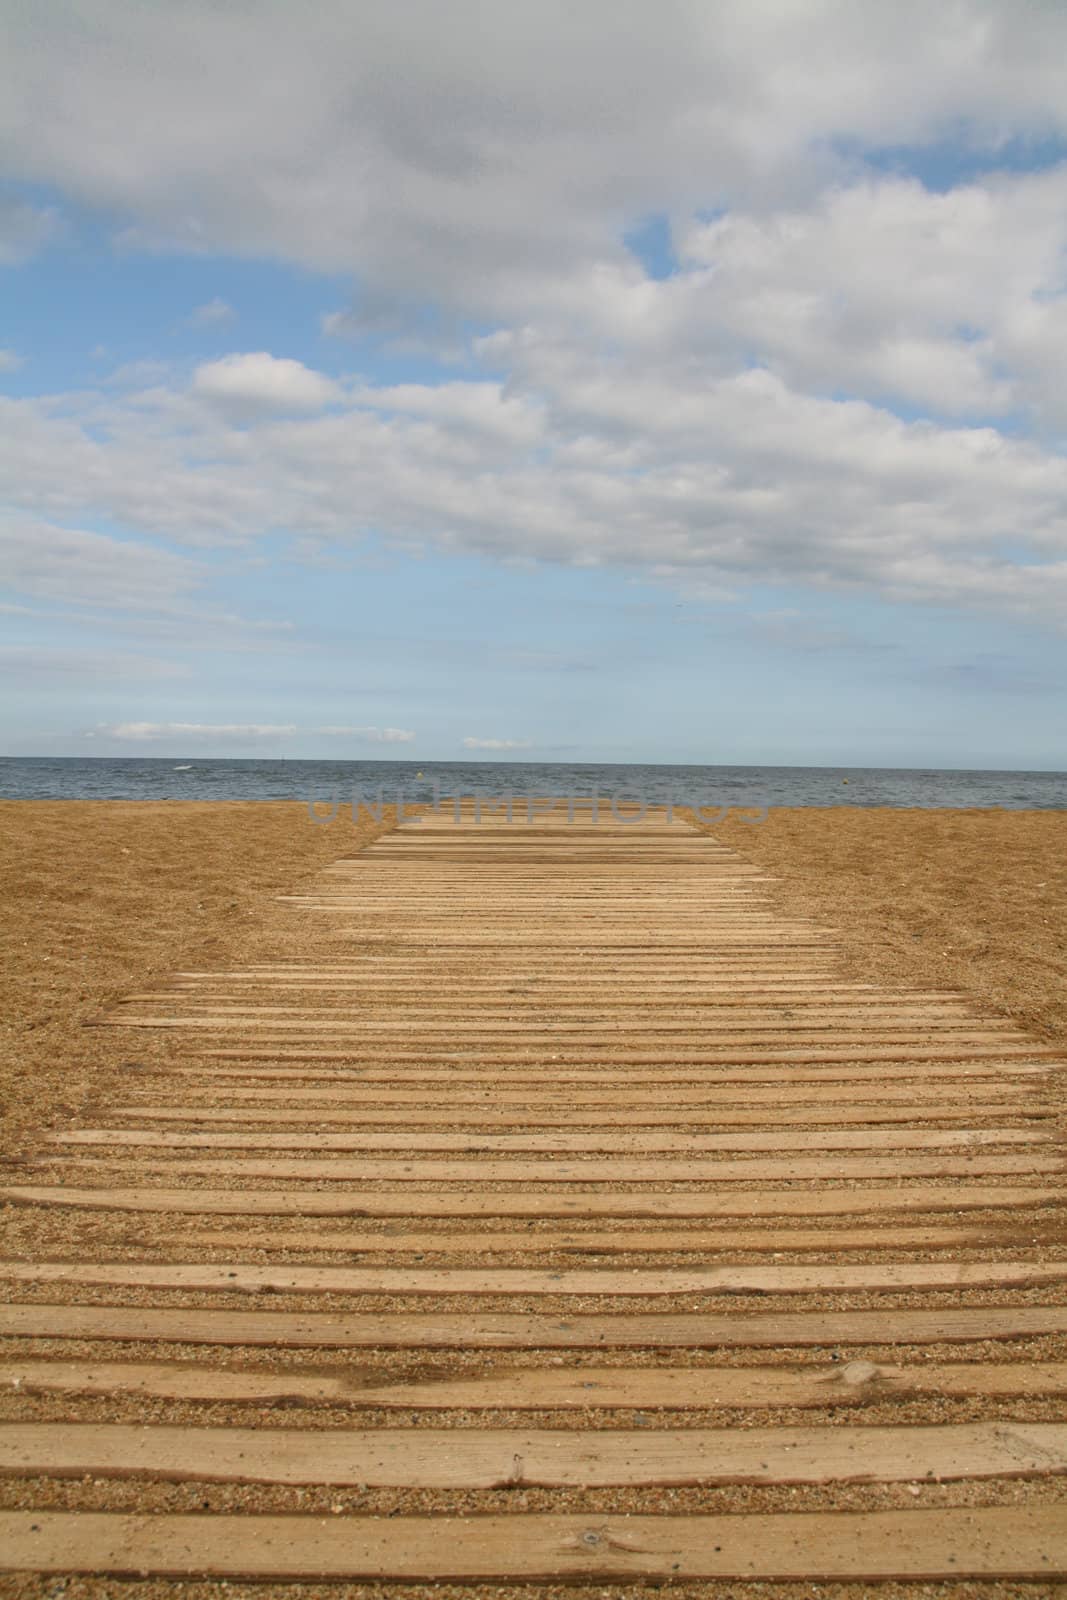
x=47, y=561
x=9, y=361
x=164, y=732
x=211, y=314
x=370, y=735
x=469, y=407
x=652, y=464
x=513, y=143
x=942, y=300
x=497, y=744
x=259, y=383
x=833, y=388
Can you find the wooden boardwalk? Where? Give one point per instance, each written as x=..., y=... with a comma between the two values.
x=548, y=1208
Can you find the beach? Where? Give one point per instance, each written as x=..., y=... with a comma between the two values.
x=743, y=1171
x=102, y=898
x=969, y=900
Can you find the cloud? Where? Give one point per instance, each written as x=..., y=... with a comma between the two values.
x=497, y=744
x=9, y=361
x=77, y=566
x=24, y=228
x=370, y=735
x=518, y=142
x=40, y=667
x=163, y=732
x=705, y=481
x=886, y=288
x=847, y=380
x=259, y=383
x=211, y=314
x=469, y=407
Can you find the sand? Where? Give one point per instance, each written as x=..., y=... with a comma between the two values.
x=105, y=899
x=969, y=900
x=101, y=897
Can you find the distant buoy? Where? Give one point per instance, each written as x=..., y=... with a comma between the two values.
x=418, y=774
x=844, y=780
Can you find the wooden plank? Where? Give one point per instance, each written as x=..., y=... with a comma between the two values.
x=726, y=989
x=579, y=1035
x=619, y=1057
x=378, y=1086
x=592, y=1169
x=314, y=1110
x=705, y=1330
x=476, y=1014
x=1016, y=1542
x=1023, y=1072
x=541, y=1388
x=638, y=997
x=590, y=1140
x=709, y=977
x=412, y=1203
x=506, y=1458
x=771, y=1279
x=476, y=1241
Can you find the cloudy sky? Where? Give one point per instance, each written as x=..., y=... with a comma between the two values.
x=672, y=381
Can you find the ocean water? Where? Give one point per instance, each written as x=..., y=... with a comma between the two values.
x=715, y=788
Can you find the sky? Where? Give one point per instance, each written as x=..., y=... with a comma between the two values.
x=629, y=381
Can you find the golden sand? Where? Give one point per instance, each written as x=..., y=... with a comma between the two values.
x=104, y=897
x=102, y=900
x=969, y=900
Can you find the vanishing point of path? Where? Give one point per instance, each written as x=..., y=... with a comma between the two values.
x=548, y=1208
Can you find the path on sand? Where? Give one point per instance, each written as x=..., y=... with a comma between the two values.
x=549, y=1207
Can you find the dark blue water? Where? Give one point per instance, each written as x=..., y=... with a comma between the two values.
x=166, y=778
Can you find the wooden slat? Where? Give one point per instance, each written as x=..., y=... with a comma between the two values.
x=776, y=1279
x=574, y=1035
x=493, y=1459
x=305, y=1112
x=469, y=1015
x=476, y=1241
x=540, y=1388
x=831, y=1112
x=976, y=1064
x=1017, y=1542
x=514, y=1331
x=371, y=1203
x=350, y=1086
x=593, y=1169
x=613, y=1141
x=523, y=1280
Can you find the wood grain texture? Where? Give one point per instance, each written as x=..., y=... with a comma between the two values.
x=1009, y=1542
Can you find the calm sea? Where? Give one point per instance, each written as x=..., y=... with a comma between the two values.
x=165, y=778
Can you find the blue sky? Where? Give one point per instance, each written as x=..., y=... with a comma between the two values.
x=368, y=388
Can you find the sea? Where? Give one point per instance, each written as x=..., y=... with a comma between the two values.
x=716, y=790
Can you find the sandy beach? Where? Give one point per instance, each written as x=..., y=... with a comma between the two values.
x=102, y=897
x=111, y=900
x=969, y=900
